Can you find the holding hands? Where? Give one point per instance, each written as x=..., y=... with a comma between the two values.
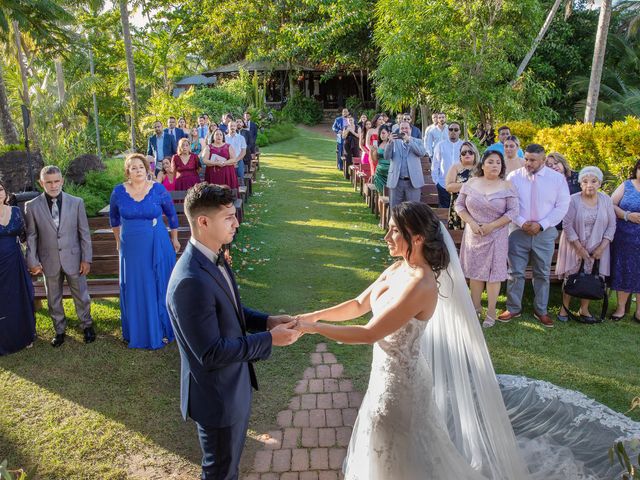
x=283, y=331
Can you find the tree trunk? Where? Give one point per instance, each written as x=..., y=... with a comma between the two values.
x=7, y=126
x=425, y=114
x=25, y=80
x=598, y=62
x=59, y=79
x=538, y=39
x=131, y=70
x=92, y=69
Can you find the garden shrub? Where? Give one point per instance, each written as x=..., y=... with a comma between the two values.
x=301, y=109
x=96, y=192
x=525, y=130
x=612, y=148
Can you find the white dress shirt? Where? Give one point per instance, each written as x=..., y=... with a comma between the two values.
x=433, y=136
x=444, y=156
x=238, y=142
x=552, y=196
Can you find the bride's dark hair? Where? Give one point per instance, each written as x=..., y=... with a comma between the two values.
x=414, y=218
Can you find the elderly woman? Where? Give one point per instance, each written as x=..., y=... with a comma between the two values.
x=511, y=158
x=147, y=254
x=458, y=174
x=625, y=251
x=487, y=203
x=587, y=231
x=557, y=162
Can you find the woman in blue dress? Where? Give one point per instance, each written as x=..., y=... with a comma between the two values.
x=625, y=248
x=147, y=254
x=17, y=315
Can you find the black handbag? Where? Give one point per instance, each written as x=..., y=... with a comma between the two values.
x=590, y=286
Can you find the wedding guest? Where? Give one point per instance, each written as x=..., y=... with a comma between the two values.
x=405, y=178
x=382, y=170
x=458, y=174
x=511, y=158
x=166, y=175
x=182, y=125
x=558, y=163
x=543, y=198
x=173, y=131
x=195, y=142
x=372, y=140
x=242, y=129
x=239, y=146
x=350, y=145
x=160, y=145
x=252, y=127
x=361, y=122
x=220, y=161
x=436, y=133
x=445, y=154
x=487, y=203
x=17, y=316
x=587, y=231
x=362, y=144
x=147, y=254
x=203, y=129
x=59, y=246
x=186, y=166
x=625, y=249
x=504, y=132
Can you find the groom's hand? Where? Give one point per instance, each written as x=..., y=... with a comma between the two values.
x=275, y=320
x=284, y=334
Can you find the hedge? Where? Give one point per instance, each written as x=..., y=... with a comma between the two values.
x=613, y=148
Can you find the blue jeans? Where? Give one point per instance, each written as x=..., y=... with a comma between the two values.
x=339, y=148
x=444, y=197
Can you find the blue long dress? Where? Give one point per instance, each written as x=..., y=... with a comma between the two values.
x=147, y=258
x=625, y=248
x=17, y=316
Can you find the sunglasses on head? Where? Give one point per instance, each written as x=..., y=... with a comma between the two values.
x=454, y=129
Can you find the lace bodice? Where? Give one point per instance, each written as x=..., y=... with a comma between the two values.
x=151, y=207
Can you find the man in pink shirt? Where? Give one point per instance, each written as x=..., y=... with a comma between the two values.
x=544, y=200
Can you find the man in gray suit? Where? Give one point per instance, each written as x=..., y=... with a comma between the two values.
x=405, y=179
x=59, y=246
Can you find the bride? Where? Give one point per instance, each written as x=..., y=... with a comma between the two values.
x=433, y=408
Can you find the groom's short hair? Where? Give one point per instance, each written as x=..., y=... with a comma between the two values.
x=204, y=197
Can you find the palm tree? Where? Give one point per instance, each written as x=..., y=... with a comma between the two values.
x=598, y=62
x=44, y=21
x=131, y=69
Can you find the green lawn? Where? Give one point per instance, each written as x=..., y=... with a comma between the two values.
x=102, y=411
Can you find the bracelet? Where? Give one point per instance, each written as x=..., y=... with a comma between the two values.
x=626, y=216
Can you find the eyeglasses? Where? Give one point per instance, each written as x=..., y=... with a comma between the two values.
x=451, y=129
x=466, y=152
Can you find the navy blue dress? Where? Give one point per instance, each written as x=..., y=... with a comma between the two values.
x=147, y=258
x=17, y=316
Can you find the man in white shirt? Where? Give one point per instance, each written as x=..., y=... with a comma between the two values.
x=543, y=197
x=446, y=153
x=436, y=133
x=239, y=145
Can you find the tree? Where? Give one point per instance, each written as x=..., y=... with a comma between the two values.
x=456, y=56
x=131, y=70
x=598, y=62
x=44, y=21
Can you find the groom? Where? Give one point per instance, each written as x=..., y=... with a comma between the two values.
x=211, y=326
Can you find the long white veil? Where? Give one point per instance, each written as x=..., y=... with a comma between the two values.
x=465, y=386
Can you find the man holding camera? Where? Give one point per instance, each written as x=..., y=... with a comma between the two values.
x=405, y=178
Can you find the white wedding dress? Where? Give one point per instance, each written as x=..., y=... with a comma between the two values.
x=434, y=409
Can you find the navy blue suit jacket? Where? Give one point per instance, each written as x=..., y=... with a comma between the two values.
x=253, y=128
x=216, y=376
x=170, y=146
x=179, y=134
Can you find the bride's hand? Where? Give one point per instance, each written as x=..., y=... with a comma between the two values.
x=306, y=326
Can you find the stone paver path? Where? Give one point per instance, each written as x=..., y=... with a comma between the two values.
x=314, y=431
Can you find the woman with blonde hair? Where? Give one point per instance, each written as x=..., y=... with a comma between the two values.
x=557, y=162
x=185, y=165
x=458, y=174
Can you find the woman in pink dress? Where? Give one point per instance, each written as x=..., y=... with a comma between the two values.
x=364, y=148
x=487, y=203
x=185, y=165
x=220, y=160
x=166, y=176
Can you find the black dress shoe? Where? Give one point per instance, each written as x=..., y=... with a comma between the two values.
x=89, y=335
x=58, y=340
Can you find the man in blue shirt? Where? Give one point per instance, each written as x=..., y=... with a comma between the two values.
x=203, y=129
x=503, y=133
x=339, y=125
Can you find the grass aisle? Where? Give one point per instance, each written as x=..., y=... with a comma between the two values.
x=102, y=411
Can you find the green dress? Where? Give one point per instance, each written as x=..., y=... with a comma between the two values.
x=382, y=171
